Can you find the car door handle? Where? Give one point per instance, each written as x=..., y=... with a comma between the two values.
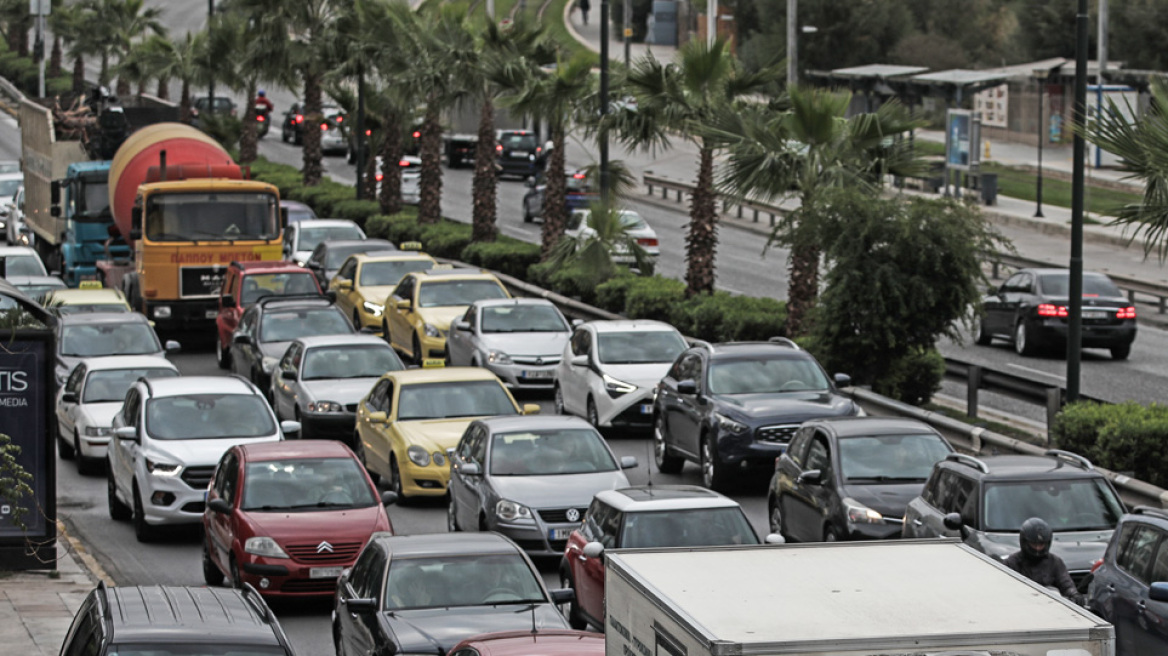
x=581, y=557
x=917, y=522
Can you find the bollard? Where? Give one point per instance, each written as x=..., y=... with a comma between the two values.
x=972, y=384
x=1054, y=403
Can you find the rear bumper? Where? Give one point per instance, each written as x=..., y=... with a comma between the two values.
x=1093, y=336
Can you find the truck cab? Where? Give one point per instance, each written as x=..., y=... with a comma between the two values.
x=82, y=199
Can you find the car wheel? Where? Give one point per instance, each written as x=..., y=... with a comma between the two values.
x=574, y=619
x=64, y=449
x=830, y=535
x=451, y=517
x=713, y=474
x=1120, y=352
x=385, y=332
x=302, y=434
x=284, y=134
x=298, y=138
x=85, y=466
x=359, y=450
x=222, y=355
x=118, y=511
x=558, y=402
x=446, y=361
x=396, y=483
x=593, y=415
x=1022, y=344
x=666, y=462
x=528, y=217
x=981, y=336
x=775, y=518
x=211, y=574
x=142, y=531
x=356, y=320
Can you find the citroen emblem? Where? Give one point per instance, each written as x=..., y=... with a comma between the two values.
x=323, y=547
x=573, y=515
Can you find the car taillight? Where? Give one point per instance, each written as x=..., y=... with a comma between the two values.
x=299, y=118
x=324, y=127
x=646, y=241
x=539, y=149
x=380, y=176
x=499, y=148
x=417, y=134
x=1095, y=565
x=368, y=132
x=1051, y=310
x=260, y=118
x=403, y=163
x=1126, y=313
x=340, y=119
x=578, y=176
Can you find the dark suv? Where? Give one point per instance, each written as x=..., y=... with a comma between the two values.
x=519, y=153
x=735, y=406
x=1130, y=585
x=168, y=620
x=985, y=500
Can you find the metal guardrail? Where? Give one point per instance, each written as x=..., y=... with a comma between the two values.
x=978, y=377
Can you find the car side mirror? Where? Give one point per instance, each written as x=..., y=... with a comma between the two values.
x=360, y=605
x=403, y=304
x=69, y=397
x=529, y=182
x=470, y=469
x=378, y=417
x=953, y=522
x=842, y=380
x=593, y=550
x=173, y=346
x=628, y=462
x=687, y=387
x=344, y=284
x=811, y=477
x=531, y=408
x=388, y=498
x=1158, y=591
x=290, y=374
x=290, y=427
x=228, y=300
x=219, y=506
x=126, y=433
x=563, y=596
x=241, y=338
x=450, y=453
x=462, y=325
x=579, y=361
x=577, y=322
x=775, y=538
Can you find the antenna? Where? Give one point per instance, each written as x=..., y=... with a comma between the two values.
x=649, y=463
x=534, y=628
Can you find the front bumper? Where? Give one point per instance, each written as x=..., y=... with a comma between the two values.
x=331, y=144
x=432, y=347
x=368, y=320
x=524, y=167
x=631, y=410
x=179, y=316
x=333, y=426
x=171, y=500
x=285, y=577
x=94, y=448
x=889, y=529
x=525, y=376
x=428, y=481
x=539, y=539
x=746, y=452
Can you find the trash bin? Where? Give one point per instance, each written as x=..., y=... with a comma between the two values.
x=989, y=188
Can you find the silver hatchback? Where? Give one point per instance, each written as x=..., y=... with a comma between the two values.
x=520, y=340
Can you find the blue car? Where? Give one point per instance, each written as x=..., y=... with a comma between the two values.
x=1129, y=586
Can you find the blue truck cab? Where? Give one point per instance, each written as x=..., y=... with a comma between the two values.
x=82, y=197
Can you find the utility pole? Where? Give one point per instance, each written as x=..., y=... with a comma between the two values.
x=792, y=42
x=1075, y=323
x=602, y=136
x=360, y=130
x=211, y=79
x=40, y=9
x=627, y=13
x=711, y=22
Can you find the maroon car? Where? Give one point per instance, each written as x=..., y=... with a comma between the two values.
x=288, y=517
x=547, y=642
x=247, y=282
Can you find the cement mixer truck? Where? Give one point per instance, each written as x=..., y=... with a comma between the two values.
x=187, y=211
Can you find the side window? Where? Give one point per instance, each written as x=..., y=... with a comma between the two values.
x=964, y=501
x=376, y=400
x=317, y=257
x=471, y=318
x=478, y=451
x=130, y=408
x=404, y=289
x=1136, y=557
x=799, y=445
x=227, y=477
x=286, y=361
x=368, y=573
x=348, y=270
x=290, y=237
x=86, y=638
x=818, y=455
x=929, y=494
x=582, y=342
x=1160, y=564
x=228, y=282
x=690, y=368
x=1027, y=283
x=387, y=400
x=1013, y=283
x=608, y=523
x=73, y=384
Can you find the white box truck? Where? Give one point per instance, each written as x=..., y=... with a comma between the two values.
x=895, y=598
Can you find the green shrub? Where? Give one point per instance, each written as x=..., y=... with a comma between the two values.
x=564, y=280
x=310, y=196
x=750, y=318
x=652, y=297
x=1126, y=437
x=445, y=239
x=396, y=228
x=612, y=294
x=912, y=379
x=510, y=257
x=357, y=210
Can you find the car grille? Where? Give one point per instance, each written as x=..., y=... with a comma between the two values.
x=310, y=586
x=559, y=515
x=198, y=477
x=776, y=433
x=548, y=360
x=306, y=552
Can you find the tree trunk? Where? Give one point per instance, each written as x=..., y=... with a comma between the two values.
x=184, y=102
x=802, y=288
x=249, y=138
x=122, y=89
x=103, y=75
x=22, y=28
x=485, y=177
x=55, y=58
x=163, y=91
x=78, y=75
x=430, y=184
x=311, y=130
x=555, y=202
x=701, y=241
x=389, y=196
x=370, y=177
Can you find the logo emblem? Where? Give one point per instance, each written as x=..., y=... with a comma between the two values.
x=573, y=515
x=539, y=361
x=323, y=547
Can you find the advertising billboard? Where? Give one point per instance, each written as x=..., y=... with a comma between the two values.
x=961, y=139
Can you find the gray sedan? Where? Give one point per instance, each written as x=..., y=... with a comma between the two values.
x=520, y=340
x=320, y=379
x=530, y=478
x=104, y=333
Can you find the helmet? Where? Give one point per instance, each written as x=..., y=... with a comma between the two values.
x=261, y=93
x=1035, y=537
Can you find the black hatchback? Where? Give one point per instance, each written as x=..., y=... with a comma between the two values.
x=519, y=153
x=1031, y=310
x=1129, y=585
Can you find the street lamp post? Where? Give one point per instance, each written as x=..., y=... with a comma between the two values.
x=602, y=135
x=792, y=42
x=211, y=78
x=1040, y=75
x=1075, y=309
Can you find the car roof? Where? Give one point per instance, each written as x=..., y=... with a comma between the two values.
x=862, y=426
x=445, y=544
x=269, y=265
x=461, y=273
x=174, y=614
x=533, y=423
x=103, y=317
x=492, y=302
x=1060, y=271
x=391, y=256
x=291, y=449
x=1022, y=467
x=184, y=385
x=649, y=498
x=343, y=339
x=294, y=204
x=83, y=296
x=1148, y=514
x=334, y=243
x=108, y=362
x=629, y=325
x=273, y=303
x=329, y=223
x=439, y=375
x=751, y=349
x=18, y=250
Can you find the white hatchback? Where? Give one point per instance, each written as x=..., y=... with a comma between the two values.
x=635, y=227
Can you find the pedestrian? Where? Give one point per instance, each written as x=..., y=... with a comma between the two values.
x=583, y=6
x=1035, y=561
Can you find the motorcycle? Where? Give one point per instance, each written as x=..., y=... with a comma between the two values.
x=263, y=122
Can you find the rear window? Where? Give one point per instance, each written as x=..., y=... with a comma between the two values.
x=287, y=326
x=108, y=385
x=518, y=142
x=311, y=236
x=706, y=527
x=257, y=285
x=1094, y=284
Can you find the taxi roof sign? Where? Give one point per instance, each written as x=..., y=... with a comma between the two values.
x=410, y=246
x=89, y=284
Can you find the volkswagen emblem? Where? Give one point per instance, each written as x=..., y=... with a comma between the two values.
x=539, y=361
x=323, y=547
x=573, y=515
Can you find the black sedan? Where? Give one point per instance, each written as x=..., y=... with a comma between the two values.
x=1031, y=310
x=423, y=594
x=851, y=479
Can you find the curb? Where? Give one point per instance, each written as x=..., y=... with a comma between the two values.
x=88, y=563
x=567, y=16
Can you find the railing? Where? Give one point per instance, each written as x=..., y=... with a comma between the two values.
x=978, y=377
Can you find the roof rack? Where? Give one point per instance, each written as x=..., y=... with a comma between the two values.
x=1151, y=510
x=785, y=342
x=969, y=461
x=1073, y=457
x=103, y=602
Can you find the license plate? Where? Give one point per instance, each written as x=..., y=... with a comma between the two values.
x=1095, y=314
x=537, y=374
x=559, y=533
x=519, y=153
x=646, y=408
x=211, y=314
x=325, y=572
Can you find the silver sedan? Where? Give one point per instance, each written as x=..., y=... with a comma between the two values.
x=520, y=340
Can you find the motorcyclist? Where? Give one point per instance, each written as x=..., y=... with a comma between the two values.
x=1035, y=562
x=262, y=104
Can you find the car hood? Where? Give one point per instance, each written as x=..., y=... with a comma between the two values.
x=377, y=293
x=560, y=491
x=434, y=434
x=440, y=317
x=353, y=525
x=1078, y=549
x=547, y=345
x=641, y=375
x=274, y=349
x=790, y=407
x=202, y=452
x=301, y=256
x=101, y=414
x=430, y=630
x=888, y=499
x=341, y=390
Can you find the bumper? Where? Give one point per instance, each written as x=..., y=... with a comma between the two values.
x=283, y=577
x=632, y=410
x=333, y=144
x=338, y=426
x=525, y=376
x=428, y=481
x=1054, y=331
x=884, y=531
x=94, y=448
x=168, y=501
x=432, y=347
x=536, y=539
x=370, y=321
x=746, y=452
x=175, y=316
x=522, y=167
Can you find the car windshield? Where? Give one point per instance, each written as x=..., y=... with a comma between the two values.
x=33, y=291
x=514, y=141
x=447, y=293
x=890, y=458
x=767, y=376
x=469, y=398
x=23, y=265
x=208, y=416
x=195, y=649
x=306, y=484
x=8, y=187
x=94, y=198
x=375, y=274
x=1094, y=284
x=94, y=339
x=550, y=453
x=1081, y=504
x=257, y=285
x=349, y=361
x=336, y=255
x=219, y=216
x=640, y=347
x=285, y=326
x=86, y=308
x=297, y=214
x=310, y=236
x=522, y=319
x=10, y=167
x=109, y=385
x=471, y=580
x=704, y=527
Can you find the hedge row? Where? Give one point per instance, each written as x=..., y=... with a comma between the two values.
x=1128, y=437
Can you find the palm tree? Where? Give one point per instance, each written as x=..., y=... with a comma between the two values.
x=681, y=99
x=73, y=37
x=17, y=22
x=118, y=24
x=809, y=151
x=312, y=24
x=592, y=251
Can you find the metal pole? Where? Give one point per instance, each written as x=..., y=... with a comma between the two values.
x=211, y=79
x=711, y=22
x=41, y=48
x=1041, y=138
x=602, y=136
x=628, y=12
x=1103, y=24
x=1075, y=329
x=792, y=42
x=360, y=131
x=491, y=9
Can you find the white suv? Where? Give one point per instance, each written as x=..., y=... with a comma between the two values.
x=168, y=438
x=610, y=370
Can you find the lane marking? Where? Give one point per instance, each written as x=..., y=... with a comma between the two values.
x=1036, y=371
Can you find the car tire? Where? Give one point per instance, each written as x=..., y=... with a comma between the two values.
x=298, y=138
x=356, y=320
x=395, y=483
x=66, y=450
x=118, y=511
x=981, y=336
x=85, y=466
x=558, y=401
x=142, y=531
x=575, y=620
x=385, y=332
x=1022, y=342
x=211, y=574
x=284, y=134
x=1120, y=352
x=451, y=517
x=713, y=475
x=593, y=415
x=222, y=355
x=775, y=518
x=666, y=462
x=528, y=217
x=830, y=534
x=359, y=451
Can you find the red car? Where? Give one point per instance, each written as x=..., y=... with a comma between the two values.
x=550, y=642
x=244, y=284
x=288, y=517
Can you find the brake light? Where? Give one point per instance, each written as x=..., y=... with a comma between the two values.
x=1095, y=565
x=1050, y=310
x=368, y=132
x=646, y=241
x=340, y=119
x=260, y=118
x=324, y=126
x=403, y=163
x=578, y=176
x=499, y=148
x=417, y=134
x=380, y=176
x=1126, y=313
x=299, y=118
x=539, y=149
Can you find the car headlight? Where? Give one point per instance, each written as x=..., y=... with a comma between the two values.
x=439, y=459
x=373, y=308
x=162, y=312
x=431, y=331
x=510, y=511
x=269, y=364
x=418, y=455
x=617, y=387
x=498, y=357
x=264, y=547
x=326, y=406
x=858, y=513
x=98, y=431
x=729, y=425
x=159, y=468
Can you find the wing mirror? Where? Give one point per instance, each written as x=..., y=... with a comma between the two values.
x=470, y=469
x=563, y=596
x=360, y=605
x=388, y=498
x=1158, y=591
x=842, y=380
x=126, y=433
x=462, y=325
x=290, y=427
x=227, y=301
x=378, y=417
x=954, y=522
x=593, y=550
x=531, y=408
x=775, y=538
x=579, y=361
x=68, y=397
x=344, y=285
x=241, y=338
x=403, y=304
x=628, y=462
x=219, y=506
x=173, y=346
x=687, y=387
x=290, y=374
x=811, y=477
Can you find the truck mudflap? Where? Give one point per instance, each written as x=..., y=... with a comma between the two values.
x=171, y=316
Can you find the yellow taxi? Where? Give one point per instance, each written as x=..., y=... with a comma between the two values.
x=419, y=311
x=410, y=418
x=86, y=298
x=366, y=279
